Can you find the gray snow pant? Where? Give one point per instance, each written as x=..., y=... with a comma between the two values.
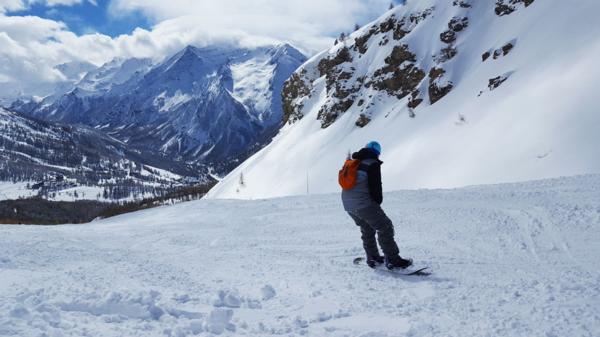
x=372, y=220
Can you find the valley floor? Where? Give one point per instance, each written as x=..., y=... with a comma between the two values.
x=508, y=260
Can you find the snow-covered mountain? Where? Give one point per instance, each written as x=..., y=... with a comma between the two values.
x=457, y=92
x=68, y=74
x=118, y=71
x=58, y=157
x=210, y=105
x=68, y=96
x=75, y=71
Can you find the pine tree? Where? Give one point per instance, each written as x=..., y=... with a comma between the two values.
x=356, y=27
x=392, y=5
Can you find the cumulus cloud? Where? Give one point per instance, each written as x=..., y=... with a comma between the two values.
x=33, y=46
x=18, y=5
x=306, y=23
x=11, y=5
x=51, y=3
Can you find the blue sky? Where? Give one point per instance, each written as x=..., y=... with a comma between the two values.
x=85, y=18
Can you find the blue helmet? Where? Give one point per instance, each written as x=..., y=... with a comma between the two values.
x=374, y=146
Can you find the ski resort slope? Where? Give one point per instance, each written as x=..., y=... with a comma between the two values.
x=542, y=122
x=508, y=260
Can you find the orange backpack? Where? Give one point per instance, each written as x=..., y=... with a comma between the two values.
x=347, y=175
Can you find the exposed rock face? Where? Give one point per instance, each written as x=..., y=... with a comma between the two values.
x=353, y=82
x=329, y=114
x=500, y=52
x=503, y=51
x=400, y=29
x=485, y=56
x=462, y=3
x=362, y=120
x=506, y=7
x=338, y=85
x=294, y=88
x=455, y=25
x=360, y=43
x=448, y=36
x=414, y=100
x=401, y=75
x=497, y=81
x=507, y=48
x=328, y=66
x=458, y=24
x=437, y=90
x=445, y=54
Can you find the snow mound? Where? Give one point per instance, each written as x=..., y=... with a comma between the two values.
x=139, y=306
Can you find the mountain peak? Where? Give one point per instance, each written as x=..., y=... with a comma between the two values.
x=285, y=49
x=189, y=52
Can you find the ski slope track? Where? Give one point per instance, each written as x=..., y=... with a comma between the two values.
x=457, y=92
x=517, y=259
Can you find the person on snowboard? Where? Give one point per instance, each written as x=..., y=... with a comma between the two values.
x=362, y=202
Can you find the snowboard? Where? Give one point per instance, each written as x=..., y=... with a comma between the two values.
x=407, y=272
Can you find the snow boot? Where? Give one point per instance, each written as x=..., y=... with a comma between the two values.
x=374, y=261
x=397, y=262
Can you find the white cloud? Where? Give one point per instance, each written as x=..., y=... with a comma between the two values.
x=32, y=46
x=11, y=5
x=18, y=5
x=52, y=3
x=306, y=23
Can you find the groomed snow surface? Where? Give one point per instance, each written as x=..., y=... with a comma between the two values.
x=508, y=260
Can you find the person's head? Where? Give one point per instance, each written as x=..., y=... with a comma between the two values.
x=374, y=146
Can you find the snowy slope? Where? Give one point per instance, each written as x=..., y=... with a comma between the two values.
x=416, y=81
x=11, y=191
x=115, y=72
x=508, y=260
x=75, y=71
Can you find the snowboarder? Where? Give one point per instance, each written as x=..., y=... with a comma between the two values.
x=362, y=197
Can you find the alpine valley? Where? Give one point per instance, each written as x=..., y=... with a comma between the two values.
x=142, y=128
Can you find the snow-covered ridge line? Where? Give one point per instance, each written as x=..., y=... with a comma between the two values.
x=457, y=92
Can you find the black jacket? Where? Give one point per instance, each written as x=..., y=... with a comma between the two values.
x=373, y=173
